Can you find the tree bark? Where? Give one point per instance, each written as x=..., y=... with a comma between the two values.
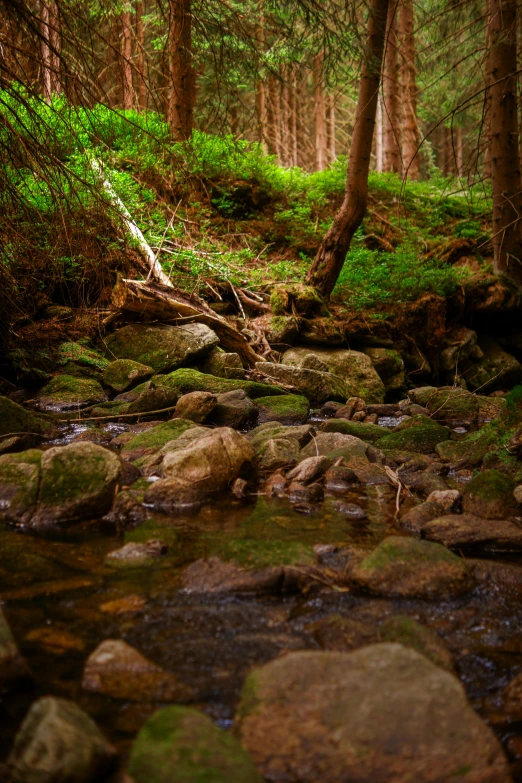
x=181, y=98
x=140, y=59
x=126, y=54
x=391, y=119
x=410, y=133
x=379, y=137
x=332, y=252
x=293, y=116
x=319, y=114
x=274, y=116
x=330, y=117
x=506, y=180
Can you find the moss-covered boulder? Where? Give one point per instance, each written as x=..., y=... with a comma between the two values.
x=296, y=299
x=419, y=434
x=285, y=408
x=389, y=366
x=315, y=385
x=336, y=444
x=490, y=495
x=452, y=405
x=354, y=368
x=182, y=745
x=84, y=358
x=471, y=450
x=235, y=409
x=274, y=430
x=394, y=716
x=110, y=409
x=282, y=331
x=367, y=432
x=223, y=365
x=410, y=633
x=495, y=370
x=188, y=380
x=124, y=374
x=59, y=742
x=153, y=400
x=14, y=418
x=161, y=347
x=277, y=453
x=19, y=482
x=77, y=482
x=152, y=440
x=409, y=568
x=67, y=393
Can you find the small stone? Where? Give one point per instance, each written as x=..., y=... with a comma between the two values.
x=449, y=499
x=223, y=365
x=234, y=409
x=278, y=453
x=285, y=408
x=136, y=555
x=275, y=485
x=339, y=478
x=350, y=510
x=305, y=493
x=195, y=406
x=417, y=517
x=238, y=488
x=309, y=469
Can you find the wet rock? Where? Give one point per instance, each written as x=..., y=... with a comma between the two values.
x=223, y=365
x=206, y=466
x=367, y=432
x=305, y=493
x=180, y=745
x=136, y=555
x=153, y=400
x=15, y=419
x=234, y=409
x=278, y=453
x=354, y=406
x=512, y=697
x=349, y=510
x=417, y=517
x=77, y=482
x=334, y=444
x=123, y=374
x=407, y=567
x=315, y=385
x=273, y=430
x=67, y=393
x=449, y=499
x=423, y=483
x=58, y=743
x=381, y=702
x=19, y=481
x=495, y=370
x=354, y=368
x=188, y=380
x=275, y=485
x=161, y=347
x=282, y=331
x=117, y=670
x=12, y=665
x=287, y=409
x=195, y=406
x=469, y=451
x=309, y=469
x=342, y=634
x=408, y=632
x=490, y=495
x=467, y=530
x=153, y=439
x=419, y=434
x=330, y=408
x=339, y=478
x=389, y=366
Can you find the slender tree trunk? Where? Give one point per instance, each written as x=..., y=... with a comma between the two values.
x=47, y=80
x=319, y=114
x=378, y=137
x=234, y=121
x=261, y=114
x=126, y=54
x=140, y=59
x=293, y=117
x=285, y=117
x=181, y=99
x=332, y=252
x=506, y=180
x=448, y=152
x=410, y=134
x=391, y=109
x=459, y=153
x=274, y=116
x=330, y=121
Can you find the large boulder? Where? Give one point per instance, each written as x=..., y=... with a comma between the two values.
x=490, y=495
x=77, y=482
x=454, y=405
x=187, y=380
x=389, y=365
x=15, y=419
x=495, y=370
x=409, y=568
x=317, y=386
x=182, y=745
x=381, y=714
x=206, y=466
x=19, y=482
x=59, y=743
x=124, y=374
x=355, y=369
x=67, y=393
x=161, y=347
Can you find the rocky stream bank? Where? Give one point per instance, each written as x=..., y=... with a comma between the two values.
x=303, y=570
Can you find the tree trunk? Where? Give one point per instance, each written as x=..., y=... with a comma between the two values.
x=274, y=116
x=140, y=59
x=126, y=54
x=391, y=119
x=47, y=82
x=410, y=134
x=459, y=153
x=330, y=117
x=378, y=137
x=506, y=181
x=332, y=252
x=285, y=117
x=181, y=98
x=293, y=116
x=319, y=114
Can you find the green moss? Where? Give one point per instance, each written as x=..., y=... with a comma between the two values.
x=285, y=408
x=420, y=435
x=14, y=418
x=123, y=374
x=367, y=432
x=252, y=553
x=398, y=548
x=82, y=356
x=151, y=529
x=66, y=389
x=157, y=436
x=490, y=484
x=69, y=476
x=449, y=404
x=186, y=380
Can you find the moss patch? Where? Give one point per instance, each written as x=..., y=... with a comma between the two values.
x=14, y=418
x=252, y=553
x=187, y=380
x=367, y=432
x=82, y=356
x=69, y=391
x=284, y=408
x=420, y=434
x=153, y=439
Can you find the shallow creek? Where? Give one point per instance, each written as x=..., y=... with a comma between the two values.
x=62, y=601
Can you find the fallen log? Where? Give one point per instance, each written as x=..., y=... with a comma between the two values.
x=154, y=301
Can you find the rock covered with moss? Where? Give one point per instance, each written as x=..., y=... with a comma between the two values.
x=19, y=483
x=83, y=358
x=282, y=331
x=418, y=434
x=410, y=633
x=181, y=745
x=187, y=380
x=359, y=429
x=490, y=495
x=152, y=439
x=15, y=419
x=223, y=365
x=285, y=408
x=67, y=393
x=317, y=386
x=123, y=374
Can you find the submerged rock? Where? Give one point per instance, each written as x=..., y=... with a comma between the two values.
x=67, y=393
x=407, y=567
x=59, y=743
x=394, y=715
x=182, y=745
x=161, y=347
x=285, y=408
x=136, y=555
x=123, y=374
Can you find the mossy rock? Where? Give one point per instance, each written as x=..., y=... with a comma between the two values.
x=490, y=495
x=273, y=430
x=81, y=356
x=411, y=568
x=282, y=330
x=367, y=432
x=296, y=299
x=80, y=371
x=316, y=385
x=65, y=392
x=19, y=481
x=471, y=450
x=410, y=633
x=111, y=408
x=150, y=530
x=124, y=374
x=181, y=745
x=321, y=331
x=223, y=365
x=452, y=405
x=188, y=380
x=285, y=408
x=154, y=439
x=14, y=418
x=420, y=435
x=252, y=553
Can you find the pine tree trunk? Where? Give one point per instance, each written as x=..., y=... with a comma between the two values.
x=319, y=114
x=410, y=134
x=330, y=119
x=459, y=153
x=391, y=119
x=47, y=80
x=181, y=98
x=506, y=180
x=274, y=116
x=293, y=116
x=378, y=137
x=126, y=53
x=332, y=252
x=140, y=59
x=285, y=117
